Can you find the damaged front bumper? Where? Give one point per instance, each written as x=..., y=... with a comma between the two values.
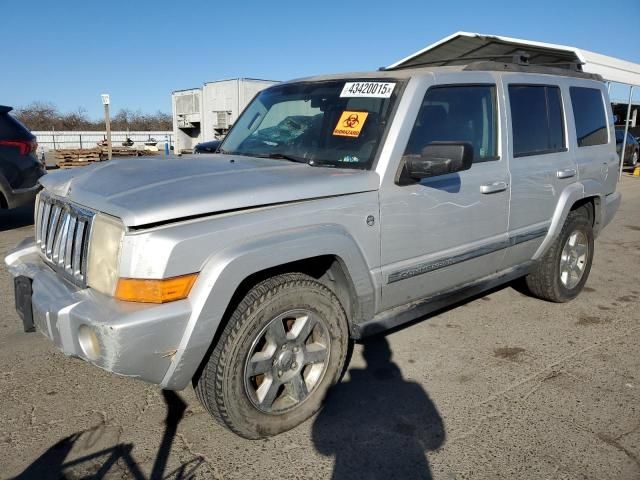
x=129, y=339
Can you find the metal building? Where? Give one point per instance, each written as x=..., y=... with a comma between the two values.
x=207, y=113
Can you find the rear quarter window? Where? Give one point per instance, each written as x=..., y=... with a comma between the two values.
x=589, y=115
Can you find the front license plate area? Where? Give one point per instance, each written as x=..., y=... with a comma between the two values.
x=23, y=292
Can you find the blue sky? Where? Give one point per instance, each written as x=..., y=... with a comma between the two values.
x=68, y=52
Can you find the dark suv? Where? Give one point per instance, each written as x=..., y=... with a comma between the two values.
x=20, y=168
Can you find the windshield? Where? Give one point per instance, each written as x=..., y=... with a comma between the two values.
x=330, y=123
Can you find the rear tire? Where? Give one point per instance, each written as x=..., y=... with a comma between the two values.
x=562, y=272
x=634, y=158
x=284, y=346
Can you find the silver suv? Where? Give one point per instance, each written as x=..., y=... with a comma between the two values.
x=337, y=207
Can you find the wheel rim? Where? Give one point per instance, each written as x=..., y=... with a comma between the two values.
x=287, y=361
x=573, y=260
x=634, y=158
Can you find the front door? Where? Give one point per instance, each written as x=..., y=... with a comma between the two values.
x=446, y=231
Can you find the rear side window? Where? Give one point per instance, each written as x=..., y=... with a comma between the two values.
x=457, y=113
x=536, y=119
x=589, y=115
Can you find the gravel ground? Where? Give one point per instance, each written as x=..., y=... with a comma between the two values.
x=504, y=386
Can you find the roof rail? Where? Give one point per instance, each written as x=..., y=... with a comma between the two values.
x=574, y=69
x=519, y=58
x=519, y=55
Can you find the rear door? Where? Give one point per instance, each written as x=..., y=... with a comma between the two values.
x=540, y=163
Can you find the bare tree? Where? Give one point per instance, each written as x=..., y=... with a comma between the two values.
x=45, y=116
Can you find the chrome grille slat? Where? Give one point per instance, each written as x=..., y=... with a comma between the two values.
x=62, y=233
x=68, y=248
x=52, y=229
x=43, y=228
x=76, y=263
x=61, y=236
x=38, y=221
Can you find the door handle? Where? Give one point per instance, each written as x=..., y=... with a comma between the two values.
x=566, y=173
x=493, y=187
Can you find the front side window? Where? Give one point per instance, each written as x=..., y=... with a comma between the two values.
x=589, y=115
x=337, y=123
x=460, y=113
x=536, y=119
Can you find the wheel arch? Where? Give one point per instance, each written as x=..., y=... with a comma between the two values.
x=326, y=252
x=580, y=194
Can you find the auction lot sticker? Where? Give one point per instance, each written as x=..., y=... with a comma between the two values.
x=368, y=89
x=350, y=124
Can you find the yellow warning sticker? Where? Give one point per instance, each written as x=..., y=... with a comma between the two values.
x=350, y=124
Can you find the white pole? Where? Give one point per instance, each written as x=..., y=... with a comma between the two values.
x=626, y=130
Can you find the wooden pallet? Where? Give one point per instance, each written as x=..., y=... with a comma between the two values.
x=122, y=152
x=74, y=164
x=76, y=157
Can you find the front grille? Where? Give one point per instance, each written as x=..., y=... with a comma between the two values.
x=62, y=234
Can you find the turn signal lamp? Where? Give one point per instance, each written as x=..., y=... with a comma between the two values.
x=155, y=291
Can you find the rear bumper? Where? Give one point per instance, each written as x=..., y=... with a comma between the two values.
x=135, y=340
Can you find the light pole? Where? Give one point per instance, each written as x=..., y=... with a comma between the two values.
x=107, y=121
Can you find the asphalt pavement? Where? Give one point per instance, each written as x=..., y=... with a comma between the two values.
x=503, y=386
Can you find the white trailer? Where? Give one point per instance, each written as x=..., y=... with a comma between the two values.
x=207, y=113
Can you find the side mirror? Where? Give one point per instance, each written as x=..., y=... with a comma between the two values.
x=439, y=158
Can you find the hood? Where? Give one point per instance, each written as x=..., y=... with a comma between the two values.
x=145, y=191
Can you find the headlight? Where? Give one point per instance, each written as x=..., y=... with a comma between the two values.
x=104, y=254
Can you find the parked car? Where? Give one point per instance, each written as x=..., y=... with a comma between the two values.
x=207, y=147
x=632, y=149
x=338, y=207
x=20, y=168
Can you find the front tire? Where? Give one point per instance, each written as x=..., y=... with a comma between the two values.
x=562, y=272
x=284, y=346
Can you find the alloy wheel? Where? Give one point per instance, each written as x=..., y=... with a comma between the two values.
x=287, y=361
x=573, y=259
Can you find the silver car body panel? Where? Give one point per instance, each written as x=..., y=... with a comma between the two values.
x=151, y=191
x=228, y=217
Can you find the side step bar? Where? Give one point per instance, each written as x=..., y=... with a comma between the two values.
x=407, y=313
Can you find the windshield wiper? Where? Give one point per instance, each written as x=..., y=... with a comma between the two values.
x=284, y=156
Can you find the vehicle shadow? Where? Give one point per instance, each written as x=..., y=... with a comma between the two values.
x=16, y=217
x=378, y=424
x=56, y=464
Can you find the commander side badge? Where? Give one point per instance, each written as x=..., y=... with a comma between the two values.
x=371, y=220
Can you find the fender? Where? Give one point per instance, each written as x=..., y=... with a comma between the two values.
x=569, y=196
x=225, y=270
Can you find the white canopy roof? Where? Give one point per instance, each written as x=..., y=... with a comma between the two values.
x=477, y=45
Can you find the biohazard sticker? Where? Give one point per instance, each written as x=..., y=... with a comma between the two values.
x=350, y=124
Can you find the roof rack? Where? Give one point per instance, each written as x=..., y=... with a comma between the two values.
x=518, y=61
x=547, y=69
x=519, y=57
